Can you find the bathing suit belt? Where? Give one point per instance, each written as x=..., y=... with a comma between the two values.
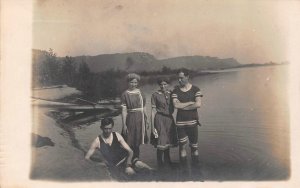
x=135, y=110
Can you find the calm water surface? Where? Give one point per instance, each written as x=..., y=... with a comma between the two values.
x=245, y=132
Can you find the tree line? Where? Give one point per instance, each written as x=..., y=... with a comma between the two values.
x=104, y=85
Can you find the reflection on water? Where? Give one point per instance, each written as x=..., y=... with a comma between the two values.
x=245, y=132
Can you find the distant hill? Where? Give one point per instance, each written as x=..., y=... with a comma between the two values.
x=140, y=61
x=200, y=62
x=136, y=61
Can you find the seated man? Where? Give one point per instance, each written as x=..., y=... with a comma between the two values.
x=115, y=150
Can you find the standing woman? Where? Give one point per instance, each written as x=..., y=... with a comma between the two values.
x=162, y=123
x=134, y=114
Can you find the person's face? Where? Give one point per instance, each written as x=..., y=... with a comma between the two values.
x=163, y=86
x=107, y=130
x=182, y=79
x=133, y=84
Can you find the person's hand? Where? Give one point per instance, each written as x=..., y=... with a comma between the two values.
x=129, y=171
x=154, y=131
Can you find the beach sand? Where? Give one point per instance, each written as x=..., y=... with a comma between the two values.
x=61, y=162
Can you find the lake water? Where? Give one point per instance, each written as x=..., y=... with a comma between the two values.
x=245, y=132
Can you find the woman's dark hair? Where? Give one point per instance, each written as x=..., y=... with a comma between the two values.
x=184, y=71
x=162, y=79
x=106, y=121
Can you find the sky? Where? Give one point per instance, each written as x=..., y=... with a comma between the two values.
x=249, y=31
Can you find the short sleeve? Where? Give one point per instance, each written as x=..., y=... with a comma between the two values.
x=198, y=92
x=174, y=94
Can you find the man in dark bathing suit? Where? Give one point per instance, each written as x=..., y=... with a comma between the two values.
x=116, y=152
x=187, y=99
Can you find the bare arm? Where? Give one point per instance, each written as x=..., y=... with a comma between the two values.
x=145, y=111
x=127, y=148
x=124, y=114
x=128, y=170
x=94, y=145
x=146, y=118
x=153, y=111
x=179, y=105
x=153, y=130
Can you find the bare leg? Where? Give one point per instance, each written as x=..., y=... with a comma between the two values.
x=182, y=153
x=142, y=165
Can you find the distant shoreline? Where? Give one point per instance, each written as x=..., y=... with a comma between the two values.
x=241, y=67
x=54, y=92
x=151, y=78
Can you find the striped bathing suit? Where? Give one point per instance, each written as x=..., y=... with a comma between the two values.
x=187, y=120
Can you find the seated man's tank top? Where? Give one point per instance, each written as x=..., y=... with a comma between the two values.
x=113, y=153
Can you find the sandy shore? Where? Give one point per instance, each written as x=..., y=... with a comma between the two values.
x=62, y=161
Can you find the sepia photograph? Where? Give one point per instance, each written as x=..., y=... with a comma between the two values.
x=196, y=92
